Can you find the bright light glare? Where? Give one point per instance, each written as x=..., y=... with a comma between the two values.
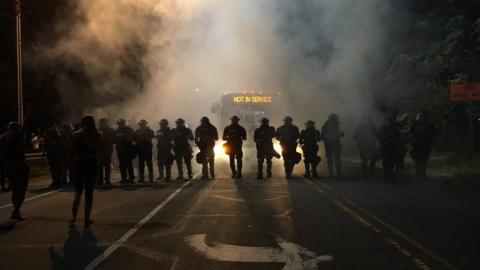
x=218, y=150
x=277, y=147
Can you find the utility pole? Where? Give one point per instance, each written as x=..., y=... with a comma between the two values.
x=18, y=16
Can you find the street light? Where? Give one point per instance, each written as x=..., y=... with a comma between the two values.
x=18, y=16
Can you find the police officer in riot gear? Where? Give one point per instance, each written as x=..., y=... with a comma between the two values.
x=205, y=136
x=55, y=148
x=288, y=135
x=234, y=135
x=366, y=137
x=16, y=167
x=331, y=136
x=105, y=151
x=402, y=122
x=309, y=138
x=124, y=144
x=263, y=137
x=422, y=137
x=143, y=139
x=390, y=138
x=165, y=158
x=183, y=150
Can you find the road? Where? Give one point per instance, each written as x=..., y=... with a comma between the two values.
x=349, y=223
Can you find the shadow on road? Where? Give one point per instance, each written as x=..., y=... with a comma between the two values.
x=79, y=249
x=263, y=209
x=7, y=227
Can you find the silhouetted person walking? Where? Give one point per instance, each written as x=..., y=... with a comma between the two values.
x=205, y=136
x=124, y=137
x=331, y=136
x=183, y=150
x=164, y=150
x=234, y=135
x=143, y=138
x=66, y=131
x=288, y=135
x=56, y=149
x=84, y=149
x=309, y=138
x=366, y=138
x=105, y=151
x=16, y=168
x=422, y=137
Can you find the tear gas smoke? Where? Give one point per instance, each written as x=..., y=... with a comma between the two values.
x=157, y=59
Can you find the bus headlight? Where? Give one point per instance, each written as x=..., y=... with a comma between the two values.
x=218, y=149
x=277, y=147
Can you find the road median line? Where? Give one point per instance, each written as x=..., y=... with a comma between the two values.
x=389, y=227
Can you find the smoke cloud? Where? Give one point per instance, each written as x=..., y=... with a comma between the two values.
x=157, y=59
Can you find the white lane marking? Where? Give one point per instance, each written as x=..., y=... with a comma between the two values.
x=34, y=197
x=242, y=200
x=293, y=255
x=93, y=264
x=174, y=264
x=147, y=253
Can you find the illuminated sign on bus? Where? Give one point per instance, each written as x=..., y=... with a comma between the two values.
x=252, y=99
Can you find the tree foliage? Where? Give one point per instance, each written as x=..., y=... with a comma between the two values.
x=441, y=47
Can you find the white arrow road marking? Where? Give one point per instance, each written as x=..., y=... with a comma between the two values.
x=293, y=255
x=107, y=252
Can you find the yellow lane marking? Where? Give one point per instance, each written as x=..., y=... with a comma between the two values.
x=359, y=219
x=420, y=264
x=243, y=200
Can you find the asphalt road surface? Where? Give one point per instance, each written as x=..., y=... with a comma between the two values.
x=349, y=223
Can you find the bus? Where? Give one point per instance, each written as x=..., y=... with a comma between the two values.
x=250, y=107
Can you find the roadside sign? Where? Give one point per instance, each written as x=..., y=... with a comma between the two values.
x=465, y=92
